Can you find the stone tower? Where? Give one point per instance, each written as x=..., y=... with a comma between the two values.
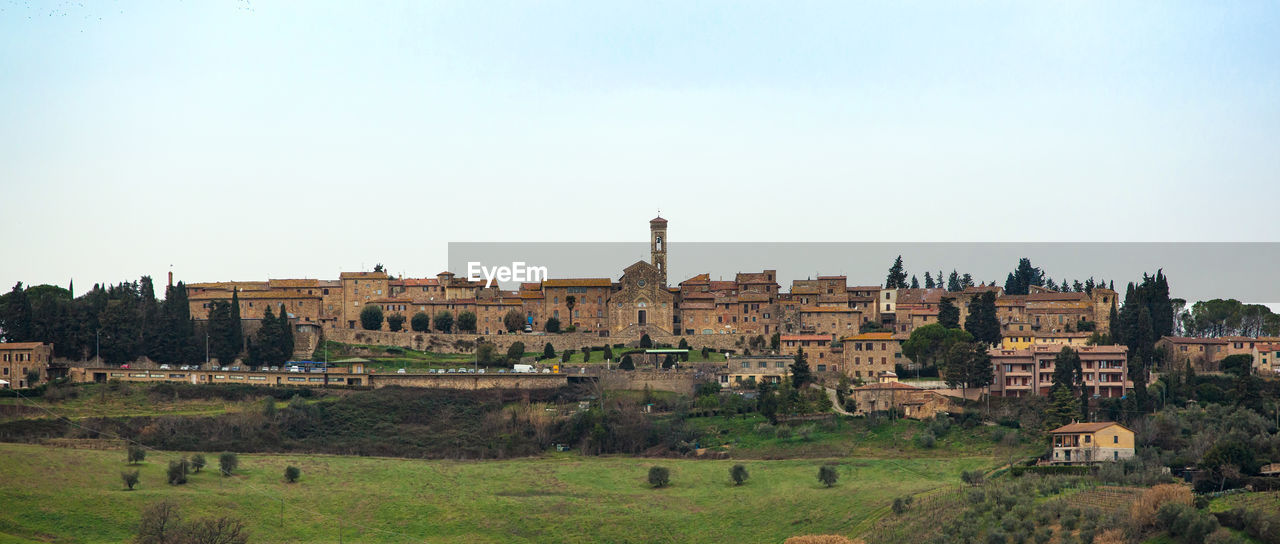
x=658, y=246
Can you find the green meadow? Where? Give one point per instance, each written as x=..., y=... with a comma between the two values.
x=75, y=495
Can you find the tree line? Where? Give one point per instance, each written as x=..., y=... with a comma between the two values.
x=122, y=322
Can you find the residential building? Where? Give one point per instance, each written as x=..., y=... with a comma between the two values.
x=17, y=359
x=887, y=393
x=747, y=371
x=1019, y=373
x=870, y=354
x=1086, y=443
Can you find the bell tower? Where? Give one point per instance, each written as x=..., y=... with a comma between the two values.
x=658, y=246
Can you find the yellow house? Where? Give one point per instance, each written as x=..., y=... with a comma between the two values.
x=1017, y=335
x=1084, y=443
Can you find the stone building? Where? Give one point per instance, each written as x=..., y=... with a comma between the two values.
x=357, y=289
x=642, y=304
x=589, y=296
x=17, y=359
x=867, y=355
x=887, y=393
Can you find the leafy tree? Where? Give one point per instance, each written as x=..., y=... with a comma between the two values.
x=552, y=325
x=982, y=321
x=197, y=462
x=930, y=345
x=800, y=374
x=967, y=365
x=972, y=477
x=897, y=278
x=227, y=463
x=514, y=352
x=486, y=353
x=395, y=322
x=948, y=313
x=420, y=322
x=738, y=474
x=136, y=454
x=371, y=317
x=566, y=355
x=177, y=472
x=548, y=351
x=130, y=478
x=645, y=341
x=626, y=363
x=659, y=476
x=513, y=321
x=444, y=321
x=775, y=342
x=1239, y=364
x=828, y=475
x=292, y=473
x=162, y=524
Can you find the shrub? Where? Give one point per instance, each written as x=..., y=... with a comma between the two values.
x=420, y=322
x=828, y=475
x=659, y=476
x=739, y=474
x=371, y=317
x=972, y=477
x=805, y=432
x=901, y=504
x=783, y=432
x=136, y=454
x=292, y=473
x=227, y=463
x=177, y=472
x=197, y=462
x=925, y=440
x=1143, y=511
x=130, y=479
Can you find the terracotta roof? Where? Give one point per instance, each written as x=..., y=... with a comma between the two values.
x=920, y=296
x=529, y=295
x=1087, y=427
x=924, y=312
x=870, y=336
x=294, y=283
x=20, y=345
x=363, y=275
x=699, y=295
x=753, y=297
x=828, y=310
x=578, y=282
x=863, y=288
x=700, y=278
x=786, y=337
x=832, y=277
x=1045, y=297
x=1193, y=340
x=658, y=221
x=723, y=285
x=804, y=289
x=692, y=305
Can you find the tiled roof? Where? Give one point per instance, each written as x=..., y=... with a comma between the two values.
x=723, y=285
x=801, y=337
x=870, y=336
x=691, y=305
x=20, y=345
x=1087, y=427
x=658, y=220
x=363, y=275
x=700, y=278
x=294, y=283
x=920, y=296
x=419, y=282
x=252, y=295
x=828, y=310
x=578, y=282
x=832, y=277
x=753, y=297
x=1193, y=340
x=1046, y=297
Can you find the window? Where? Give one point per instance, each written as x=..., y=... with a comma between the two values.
x=1115, y=439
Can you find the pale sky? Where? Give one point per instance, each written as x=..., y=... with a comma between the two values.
x=237, y=140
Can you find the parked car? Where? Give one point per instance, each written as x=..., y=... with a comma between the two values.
x=294, y=369
x=275, y=368
x=401, y=371
x=235, y=369
x=164, y=367
x=126, y=365
x=481, y=371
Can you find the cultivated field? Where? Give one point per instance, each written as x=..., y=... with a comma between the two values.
x=73, y=495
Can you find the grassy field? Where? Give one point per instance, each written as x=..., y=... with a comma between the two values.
x=95, y=401
x=67, y=495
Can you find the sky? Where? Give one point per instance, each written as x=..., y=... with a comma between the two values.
x=244, y=140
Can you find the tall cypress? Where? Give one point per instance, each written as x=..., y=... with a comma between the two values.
x=897, y=278
x=286, y=335
x=235, y=336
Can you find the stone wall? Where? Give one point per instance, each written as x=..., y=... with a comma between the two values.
x=471, y=381
x=465, y=343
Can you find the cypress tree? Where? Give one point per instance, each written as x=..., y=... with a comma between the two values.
x=897, y=278
x=915, y=283
x=800, y=374
x=235, y=337
x=982, y=322
x=948, y=314
x=285, y=330
x=953, y=282
x=928, y=280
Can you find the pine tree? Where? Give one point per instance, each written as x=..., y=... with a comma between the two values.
x=928, y=280
x=982, y=321
x=897, y=278
x=948, y=314
x=915, y=283
x=15, y=320
x=1067, y=376
x=800, y=374
x=236, y=335
x=953, y=282
x=966, y=281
